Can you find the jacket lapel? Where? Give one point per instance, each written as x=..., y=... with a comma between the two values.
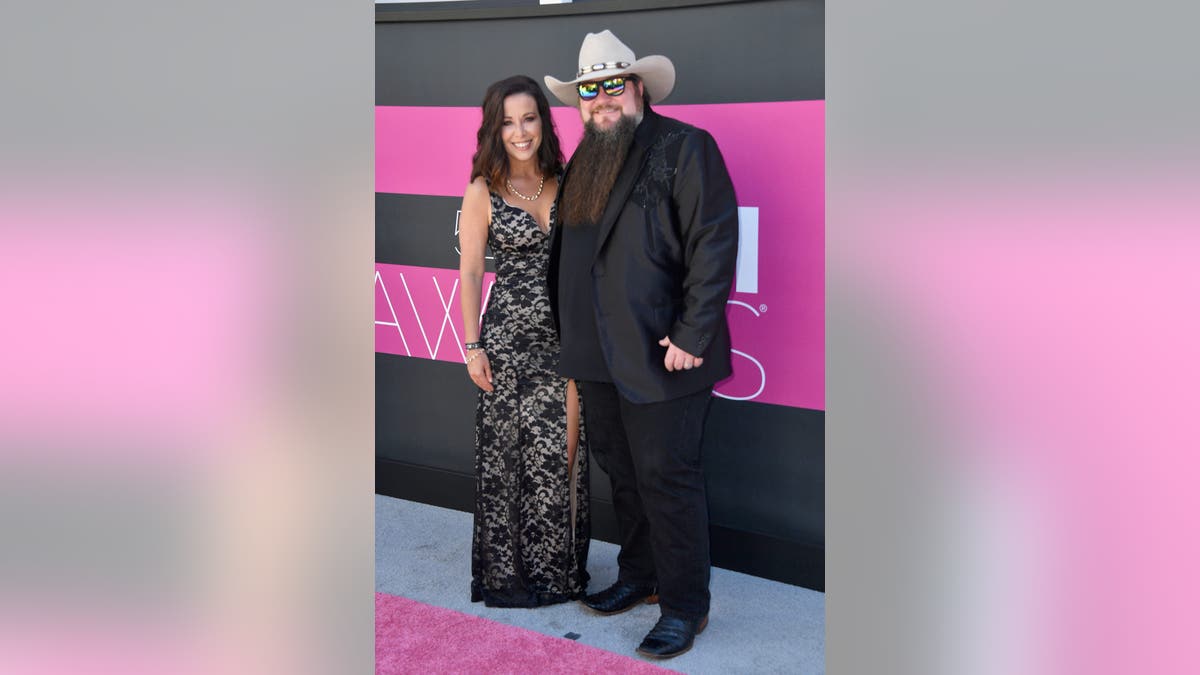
x=634, y=162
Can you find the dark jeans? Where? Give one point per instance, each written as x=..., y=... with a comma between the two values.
x=651, y=453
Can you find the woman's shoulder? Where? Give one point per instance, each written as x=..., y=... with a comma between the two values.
x=479, y=186
x=477, y=198
x=478, y=190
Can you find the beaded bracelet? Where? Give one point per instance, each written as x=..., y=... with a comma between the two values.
x=474, y=355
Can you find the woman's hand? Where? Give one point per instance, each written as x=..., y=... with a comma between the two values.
x=480, y=369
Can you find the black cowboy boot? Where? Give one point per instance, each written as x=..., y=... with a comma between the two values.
x=620, y=597
x=671, y=636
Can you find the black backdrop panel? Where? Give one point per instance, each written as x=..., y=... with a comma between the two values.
x=424, y=413
x=766, y=469
x=765, y=463
x=417, y=230
x=750, y=51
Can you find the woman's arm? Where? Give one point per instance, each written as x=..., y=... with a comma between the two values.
x=472, y=243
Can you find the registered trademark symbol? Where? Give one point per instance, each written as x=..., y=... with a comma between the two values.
x=762, y=308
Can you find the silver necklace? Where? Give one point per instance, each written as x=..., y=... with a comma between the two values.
x=541, y=184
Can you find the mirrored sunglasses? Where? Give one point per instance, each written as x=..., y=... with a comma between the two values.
x=613, y=86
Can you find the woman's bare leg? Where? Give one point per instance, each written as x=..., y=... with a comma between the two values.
x=572, y=444
x=572, y=423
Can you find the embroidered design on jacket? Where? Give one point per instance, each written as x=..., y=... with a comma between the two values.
x=655, y=182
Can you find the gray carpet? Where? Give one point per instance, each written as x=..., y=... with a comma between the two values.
x=755, y=625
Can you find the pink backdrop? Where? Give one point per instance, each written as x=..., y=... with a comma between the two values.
x=776, y=156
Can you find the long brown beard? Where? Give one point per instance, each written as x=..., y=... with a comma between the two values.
x=594, y=169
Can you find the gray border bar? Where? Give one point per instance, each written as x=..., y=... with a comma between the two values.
x=515, y=9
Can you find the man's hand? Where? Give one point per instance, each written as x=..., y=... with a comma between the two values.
x=676, y=358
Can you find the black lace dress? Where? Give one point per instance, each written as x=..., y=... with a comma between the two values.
x=532, y=525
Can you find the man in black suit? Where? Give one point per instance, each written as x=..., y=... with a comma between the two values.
x=640, y=272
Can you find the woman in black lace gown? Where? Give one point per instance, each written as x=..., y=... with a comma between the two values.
x=532, y=528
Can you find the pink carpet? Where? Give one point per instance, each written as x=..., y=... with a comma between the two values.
x=412, y=637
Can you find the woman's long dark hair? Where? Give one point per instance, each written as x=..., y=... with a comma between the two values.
x=491, y=160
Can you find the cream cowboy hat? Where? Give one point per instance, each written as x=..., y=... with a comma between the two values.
x=602, y=56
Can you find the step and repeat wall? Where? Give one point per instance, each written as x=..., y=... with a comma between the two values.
x=752, y=74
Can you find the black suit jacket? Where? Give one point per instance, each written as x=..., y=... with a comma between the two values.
x=665, y=260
